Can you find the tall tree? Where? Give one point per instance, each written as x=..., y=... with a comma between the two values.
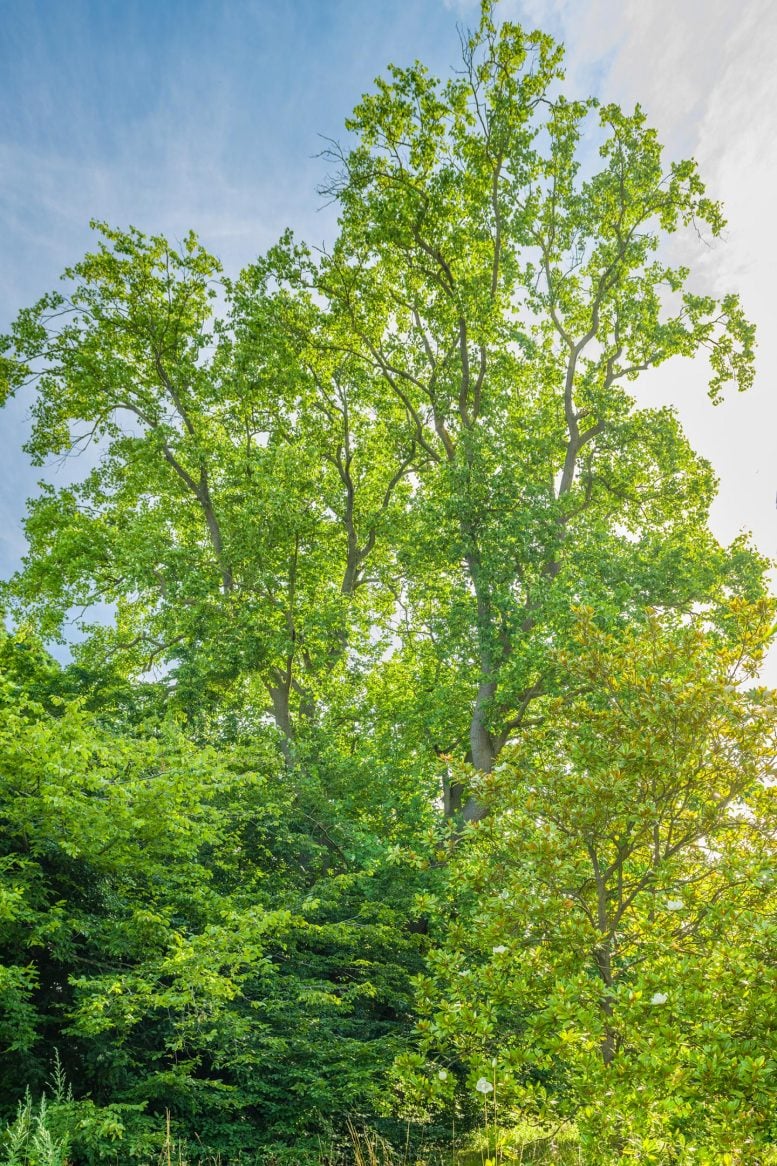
x=421, y=440
x=506, y=285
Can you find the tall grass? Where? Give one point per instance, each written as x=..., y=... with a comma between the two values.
x=30, y=1140
x=44, y=1132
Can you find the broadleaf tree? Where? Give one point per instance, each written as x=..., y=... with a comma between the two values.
x=607, y=940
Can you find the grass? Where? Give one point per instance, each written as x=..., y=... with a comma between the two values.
x=524, y=1143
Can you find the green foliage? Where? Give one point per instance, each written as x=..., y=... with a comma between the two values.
x=422, y=649
x=179, y=925
x=35, y=1137
x=608, y=941
x=29, y=1141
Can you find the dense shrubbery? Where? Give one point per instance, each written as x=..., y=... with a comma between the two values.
x=188, y=932
x=423, y=763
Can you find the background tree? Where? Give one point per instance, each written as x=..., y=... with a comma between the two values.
x=185, y=935
x=610, y=954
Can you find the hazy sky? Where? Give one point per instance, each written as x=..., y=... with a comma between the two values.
x=171, y=114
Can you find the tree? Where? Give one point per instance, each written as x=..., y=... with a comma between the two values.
x=506, y=293
x=425, y=433
x=184, y=934
x=612, y=941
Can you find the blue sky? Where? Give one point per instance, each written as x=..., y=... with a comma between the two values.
x=176, y=114
x=206, y=114
x=173, y=115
